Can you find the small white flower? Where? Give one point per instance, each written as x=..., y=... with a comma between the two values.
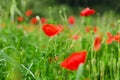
x=38, y=18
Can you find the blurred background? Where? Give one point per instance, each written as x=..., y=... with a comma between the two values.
x=11, y=8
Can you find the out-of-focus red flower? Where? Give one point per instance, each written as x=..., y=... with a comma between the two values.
x=33, y=21
x=74, y=60
x=43, y=20
x=117, y=37
x=95, y=29
x=110, y=38
x=87, y=12
x=20, y=19
x=97, y=43
x=28, y=13
x=51, y=30
x=75, y=36
x=59, y=27
x=71, y=20
x=87, y=29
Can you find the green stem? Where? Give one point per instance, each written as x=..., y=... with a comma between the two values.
x=49, y=43
x=79, y=72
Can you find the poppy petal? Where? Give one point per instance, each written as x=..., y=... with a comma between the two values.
x=74, y=60
x=71, y=20
x=110, y=38
x=87, y=12
x=28, y=13
x=97, y=43
x=51, y=30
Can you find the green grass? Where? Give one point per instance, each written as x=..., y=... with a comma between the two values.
x=31, y=56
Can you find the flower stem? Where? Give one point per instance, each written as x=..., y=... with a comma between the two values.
x=79, y=72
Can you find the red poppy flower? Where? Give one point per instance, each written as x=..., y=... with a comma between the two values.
x=28, y=13
x=33, y=21
x=43, y=20
x=51, y=30
x=95, y=29
x=117, y=37
x=71, y=20
x=87, y=12
x=20, y=19
x=110, y=38
x=75, y=36
x=87, y=29
x=97, y=43
x=74, y=60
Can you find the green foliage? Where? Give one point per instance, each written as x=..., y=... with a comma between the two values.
x=34, y=56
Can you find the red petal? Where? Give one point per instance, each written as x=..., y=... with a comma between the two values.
x=75, y=36
x=28, y=13
x=43, y=20
x=109, y=34
x=117, y=37
x=90, y=12
x=87, y=29
x=110, y=38
x=87, y=12
x=33, y=21
x=20, y=19
x=51, y=30
x=74, y=60
x=95, y=29
x=97, y=43
x=71, y=20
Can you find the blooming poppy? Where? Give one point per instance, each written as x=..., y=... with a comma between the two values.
x=28, y=13
x=20, y=18
x=75, y=36
x=87, y=12
x=117, y=37
x=51, y=30
x=110, y=38
x=97, y=43
x=95, y=29
x=87, y=29
x=33, y=21
x=71, y=20
x=43, y=20
x=74, y=60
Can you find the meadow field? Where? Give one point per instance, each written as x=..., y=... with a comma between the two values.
x=70, y=47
